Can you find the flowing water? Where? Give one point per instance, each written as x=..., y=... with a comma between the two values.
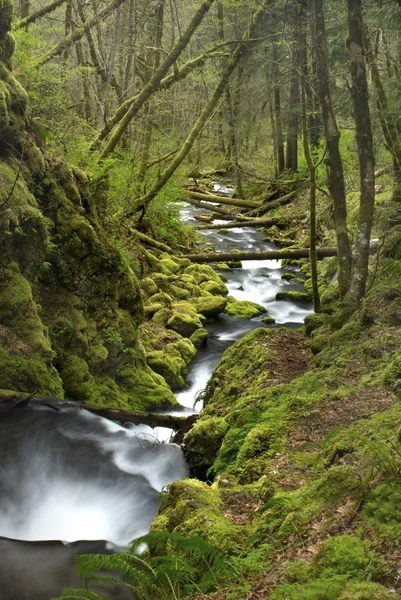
x=73, y=483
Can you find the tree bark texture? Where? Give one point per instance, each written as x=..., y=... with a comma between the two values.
x=364, y=137
x=334, y=165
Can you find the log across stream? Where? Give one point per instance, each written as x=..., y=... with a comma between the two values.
x=73, y=482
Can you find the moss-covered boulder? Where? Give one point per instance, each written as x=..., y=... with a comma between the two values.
x=195, y=508
x=184, y=319
x=293, y=296
x=243, y=309
x=199, y=338
x=170, y=365
x=216, y=288
x=148, y=286
x=211, y=306
x=202, y=444
x=202, y=273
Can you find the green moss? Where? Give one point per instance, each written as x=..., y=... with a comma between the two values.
x=202, y=444
x=186, y=348
x=179, y=292
x=199, y=338
x=243, y=309
x=170, y=265
x=162, y=316
x=184, y=321
x=223, y=266
x=293, y=296
x=148, y=286
x=214, y=287
x=268, y=320
x=194, y=508
x=211, y=306
x=363, y=590
x=170, y=365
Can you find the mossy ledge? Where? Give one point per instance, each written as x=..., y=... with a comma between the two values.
x=70, y=300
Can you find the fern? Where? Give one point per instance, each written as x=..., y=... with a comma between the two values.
x=172, y=567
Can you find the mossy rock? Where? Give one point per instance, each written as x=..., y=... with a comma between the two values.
x=288, y=276
x=199, y=338
x=313, y=322
x=149, y=286
x=152, y=308
x=186, y=348
x=195, y=508
x=202, y=444
x=170, y=365
x=211, y=306
x=183, y=262
x=179, y=292
x=268, y=320
x=162, y=316
x=202, y=273
x=184, y=323
x=223, y=266
x=214, y=287
x=243, y=309
x=293, y=296
x=170, y=265
x=162, y=298
x=223, y=230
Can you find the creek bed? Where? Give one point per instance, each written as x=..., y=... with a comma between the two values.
x=68, y=476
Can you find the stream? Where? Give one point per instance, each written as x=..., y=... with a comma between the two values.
x=72, y=482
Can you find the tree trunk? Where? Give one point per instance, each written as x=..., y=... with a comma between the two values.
x=279, y=141
x=388, y=123
x=334, y=165
x=291, y=162
x=157, y=39
x=364, y=137
x=152, y=86
x=211, y=257
x=312, y=184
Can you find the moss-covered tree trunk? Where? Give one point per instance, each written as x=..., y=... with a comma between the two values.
x=388, y=122
x=312, y=180
x=150, y=112
x=334, y=165
x=291, y=158
x=364, y=137
x=279, y=140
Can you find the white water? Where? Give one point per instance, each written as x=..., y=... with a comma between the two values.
x=75, y=476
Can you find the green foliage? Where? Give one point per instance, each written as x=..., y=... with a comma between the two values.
x=172, y=567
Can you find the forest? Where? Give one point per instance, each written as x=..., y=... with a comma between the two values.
x=200, y=230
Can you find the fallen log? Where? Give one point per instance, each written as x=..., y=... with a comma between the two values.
x=262, y=210
x=263, y=255
x=145, y=239
x=246, y=222
x=224, y=200
x=212, y=207
x=9, y=400
x=296, y=253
